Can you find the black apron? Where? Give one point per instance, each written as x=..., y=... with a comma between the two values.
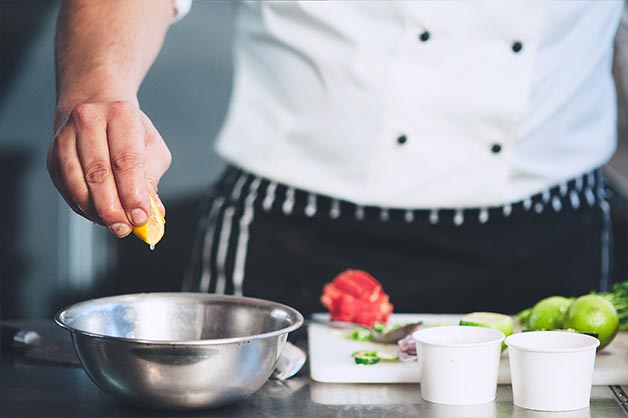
x=263, y=239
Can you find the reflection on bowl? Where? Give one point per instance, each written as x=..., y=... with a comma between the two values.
x=179, y=350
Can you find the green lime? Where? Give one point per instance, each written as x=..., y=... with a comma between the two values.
x=548, y=314
x=493, y=320
x=593, y=314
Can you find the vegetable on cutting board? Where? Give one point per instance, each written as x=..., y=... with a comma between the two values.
x=381, y=330
x=360, y=334
x=368, y=358
x=493, y=320
x=619, y=298
x=356, y=296
x=602, y=314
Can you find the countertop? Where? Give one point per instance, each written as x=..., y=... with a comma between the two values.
x=32, y=389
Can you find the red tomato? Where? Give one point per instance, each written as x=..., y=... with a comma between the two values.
x=355, y=296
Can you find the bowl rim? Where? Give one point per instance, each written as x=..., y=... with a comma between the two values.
x=207, y=342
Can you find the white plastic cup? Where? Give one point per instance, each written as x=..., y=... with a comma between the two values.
x=458, y=364
x=551, y=370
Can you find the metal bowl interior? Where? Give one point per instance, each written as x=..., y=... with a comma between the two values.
x=179, y=351
x=179, y=318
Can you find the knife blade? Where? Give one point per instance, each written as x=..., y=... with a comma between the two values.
x=31, y=345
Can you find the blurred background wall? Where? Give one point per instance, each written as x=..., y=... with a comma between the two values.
x=49, y=256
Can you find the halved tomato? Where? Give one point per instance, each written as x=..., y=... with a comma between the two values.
x=356, y=296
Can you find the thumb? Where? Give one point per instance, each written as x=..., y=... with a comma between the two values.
x=152, y=191
x=158, y=159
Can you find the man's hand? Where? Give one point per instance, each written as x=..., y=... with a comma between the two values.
x=104, y=159
x=106, y=156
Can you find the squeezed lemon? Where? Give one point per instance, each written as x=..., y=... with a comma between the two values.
x=153, y=230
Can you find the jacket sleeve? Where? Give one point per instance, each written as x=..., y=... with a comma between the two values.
x=181, y=8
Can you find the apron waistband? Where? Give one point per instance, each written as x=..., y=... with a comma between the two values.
x=239, y=187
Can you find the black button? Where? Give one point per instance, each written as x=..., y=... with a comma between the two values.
x=517, y=47
x=402, y=139
x=425, y=36
x=496, y=148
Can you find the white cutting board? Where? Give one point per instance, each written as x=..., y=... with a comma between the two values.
x=331, y=362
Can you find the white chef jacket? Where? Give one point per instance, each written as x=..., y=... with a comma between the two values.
x=422, y=104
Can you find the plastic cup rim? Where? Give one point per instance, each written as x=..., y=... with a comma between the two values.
x=499, y=337
x=509, y=342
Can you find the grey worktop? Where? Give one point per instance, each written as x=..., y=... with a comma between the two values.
x=29, y=389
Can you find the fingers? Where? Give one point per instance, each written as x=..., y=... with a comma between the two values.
x=105, y=160
x=125, y=136
x=71, y=182
x=93, y=154
x=67, y=175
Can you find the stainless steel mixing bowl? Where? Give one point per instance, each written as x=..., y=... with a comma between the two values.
x=179, y=350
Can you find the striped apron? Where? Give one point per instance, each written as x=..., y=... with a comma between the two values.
x=263, y=239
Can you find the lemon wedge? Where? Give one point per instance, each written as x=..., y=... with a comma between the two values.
x=153, y=230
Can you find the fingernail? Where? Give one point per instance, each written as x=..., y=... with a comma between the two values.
x=138, y=216
x=121, y=230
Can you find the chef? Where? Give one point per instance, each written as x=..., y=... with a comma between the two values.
x=451, y=149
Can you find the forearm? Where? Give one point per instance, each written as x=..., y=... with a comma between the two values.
x=104, y=48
